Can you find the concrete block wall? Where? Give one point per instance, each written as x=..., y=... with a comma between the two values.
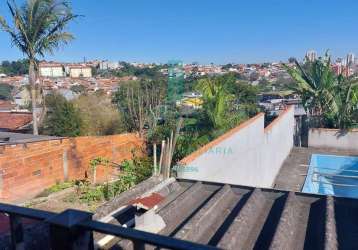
x=27, y=169
x=333, y=138
x=278, y=143
x=247, y=155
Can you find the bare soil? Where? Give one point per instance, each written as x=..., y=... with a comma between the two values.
x=60, y=201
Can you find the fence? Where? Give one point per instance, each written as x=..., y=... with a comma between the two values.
x=26, y=169
x=246, y=155
x=74, y=229
x=333, y=138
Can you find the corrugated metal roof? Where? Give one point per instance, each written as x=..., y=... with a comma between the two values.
x=238, y=217
x=17, y=138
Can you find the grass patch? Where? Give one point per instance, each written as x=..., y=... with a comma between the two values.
x=56, y=188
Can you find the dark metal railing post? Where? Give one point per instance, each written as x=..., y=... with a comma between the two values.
x=138, y=245
x=73, y=230
x=65, y=232
x=17, y=233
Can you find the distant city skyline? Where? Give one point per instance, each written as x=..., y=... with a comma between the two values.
x=201, y=31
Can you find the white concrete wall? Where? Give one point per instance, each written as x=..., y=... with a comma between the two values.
x=80, y=72
x=52, y=71
x=249, y=155
x=277, y=145
x=333, y=138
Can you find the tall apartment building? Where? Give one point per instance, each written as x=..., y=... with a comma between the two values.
x=311, y=55
x=105, y=65
x=350, y=59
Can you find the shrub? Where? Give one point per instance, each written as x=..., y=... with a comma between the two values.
x=99, y=115
x=62, y=118
x=132, y=172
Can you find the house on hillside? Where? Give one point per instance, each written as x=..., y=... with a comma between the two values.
x=6, y=105
x=79, y=70
x=51, y=69
x=22, y=97
x=68, y=94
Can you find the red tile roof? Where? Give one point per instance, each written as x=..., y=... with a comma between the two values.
x=14, y=120
x=6, y=105
x=148, y=202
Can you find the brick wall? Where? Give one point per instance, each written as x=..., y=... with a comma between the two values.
x=27, y=169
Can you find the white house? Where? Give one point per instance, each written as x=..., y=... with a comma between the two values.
x=79, y=70
x=51, y=70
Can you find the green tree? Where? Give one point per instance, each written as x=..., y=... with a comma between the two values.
x=139, y=103
x=5, y=91
x=79, y=89
x=315, y=83
x=62, y=118
x=247, y=96
x=99, y=116
x=227, y=66
x=329, y=98
x=19, y=67
x=38, y=28
x=219, y=99
x=291, y=60
x=344, y=115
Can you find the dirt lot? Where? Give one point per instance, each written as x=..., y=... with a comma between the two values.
x=60, y=201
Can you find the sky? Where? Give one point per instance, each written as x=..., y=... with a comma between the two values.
x=204, y=31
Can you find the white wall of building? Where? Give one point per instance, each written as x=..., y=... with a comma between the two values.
x=52, y=71
x=333, y=138
x=248, y=155
x=105, y=65
x=81, y=72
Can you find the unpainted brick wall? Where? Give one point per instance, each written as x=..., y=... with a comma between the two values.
x=28, y=169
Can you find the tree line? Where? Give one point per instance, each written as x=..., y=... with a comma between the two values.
x=15, y=68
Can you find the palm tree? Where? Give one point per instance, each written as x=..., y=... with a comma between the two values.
x=38, y=28
x=315, y=83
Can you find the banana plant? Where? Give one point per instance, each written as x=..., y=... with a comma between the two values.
x=217, y=98
x=346, y=100
x=333, y=99
x=315, y=82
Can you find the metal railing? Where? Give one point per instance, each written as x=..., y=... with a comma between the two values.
x=316, y=177
x=73, y=229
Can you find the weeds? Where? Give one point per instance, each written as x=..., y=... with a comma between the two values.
x=56, y=188
x=132, y=172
